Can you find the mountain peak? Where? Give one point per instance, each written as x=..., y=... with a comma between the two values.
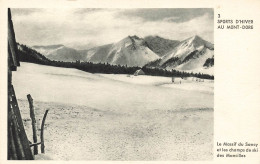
x=130, y=40
x=197, y=41
x=195, y=37
x=133, y=37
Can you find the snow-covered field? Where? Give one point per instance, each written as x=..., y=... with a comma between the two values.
x=116, y=117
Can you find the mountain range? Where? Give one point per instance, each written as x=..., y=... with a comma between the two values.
x=193, y=54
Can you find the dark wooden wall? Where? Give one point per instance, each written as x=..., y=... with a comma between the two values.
x=18, y=143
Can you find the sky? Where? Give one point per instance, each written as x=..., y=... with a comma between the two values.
x=83, y=28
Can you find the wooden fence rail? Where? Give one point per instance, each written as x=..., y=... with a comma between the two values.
x=32, y=115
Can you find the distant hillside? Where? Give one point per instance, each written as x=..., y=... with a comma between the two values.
x=96, y=54
x=27, y=54
x=59, y=52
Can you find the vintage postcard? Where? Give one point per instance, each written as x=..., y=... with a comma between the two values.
x=127, y=81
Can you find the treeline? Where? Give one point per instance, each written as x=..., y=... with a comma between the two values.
x=27, y=54
x=174, y=73
x=209, y=62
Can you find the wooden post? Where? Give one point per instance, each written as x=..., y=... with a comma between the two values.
x=12, y=41
x=42, y=130
x=32, y=115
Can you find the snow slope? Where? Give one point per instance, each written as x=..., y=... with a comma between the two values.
x=115, y=117
x=196, y=62
x=94, y=90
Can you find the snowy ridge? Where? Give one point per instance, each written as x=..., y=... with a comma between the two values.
x=187, y=46
x=189, y=55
